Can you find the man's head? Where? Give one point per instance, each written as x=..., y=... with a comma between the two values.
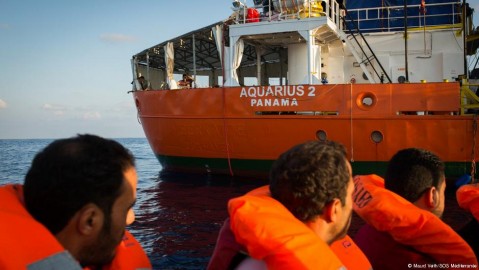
x=83, y=190
x=314, y=180
x=418, y=176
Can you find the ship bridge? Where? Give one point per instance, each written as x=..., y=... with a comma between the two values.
x=299, y=31
x=290, y=44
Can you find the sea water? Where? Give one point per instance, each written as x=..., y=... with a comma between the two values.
x=178, y=216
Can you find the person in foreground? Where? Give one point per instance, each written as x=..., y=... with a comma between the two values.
x=72, y=210
x=403, y=213
x=291, y=223
x=468, y=198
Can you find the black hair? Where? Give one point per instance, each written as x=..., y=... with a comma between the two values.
x=70, y=173
x=309, y=176
x=412, y=171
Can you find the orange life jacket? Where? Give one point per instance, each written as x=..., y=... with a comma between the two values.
x=269, y=232
x=407, y=224
x=129, y=255
x=350, y=254
x=25, y=241
x=468, y=199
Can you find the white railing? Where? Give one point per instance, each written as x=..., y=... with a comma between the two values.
x=287, y=10
x=392, y=18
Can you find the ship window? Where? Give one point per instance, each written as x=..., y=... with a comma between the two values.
x=377, y=136
x=249, y=81
x=367, y=101
x=277, y=81
x=202, y=81
x=321, y=135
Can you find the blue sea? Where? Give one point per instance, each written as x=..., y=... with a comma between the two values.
x=178, y=216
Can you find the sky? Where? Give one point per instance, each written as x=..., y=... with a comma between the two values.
x=65, y=65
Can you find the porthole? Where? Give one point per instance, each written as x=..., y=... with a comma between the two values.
x=321, y=135
x=366, y=101
x=377, y=136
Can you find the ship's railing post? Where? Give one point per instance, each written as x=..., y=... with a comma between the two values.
x=326, y=6
x=388, y=19
x=337, y=11
x=239, y=6
x=269, y=9
x=310, y=8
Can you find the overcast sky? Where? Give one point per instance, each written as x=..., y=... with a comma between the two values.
x=65, y=65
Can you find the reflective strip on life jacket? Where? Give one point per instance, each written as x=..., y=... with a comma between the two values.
x=59, y=261
x=272, y=234
x=408, y=224
x=468, y=199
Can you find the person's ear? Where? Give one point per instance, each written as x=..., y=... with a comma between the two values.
x=331, y=210
x=432, y=197
x=90, y=219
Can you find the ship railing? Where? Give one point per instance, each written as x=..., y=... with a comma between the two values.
x=288, y=10
x=391, y=18
x=469, y=98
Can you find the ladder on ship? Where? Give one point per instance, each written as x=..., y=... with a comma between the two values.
x=364, y=55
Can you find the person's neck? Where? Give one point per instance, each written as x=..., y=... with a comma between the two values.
x=321, y=228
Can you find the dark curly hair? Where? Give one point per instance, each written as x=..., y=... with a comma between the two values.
x=412, y=171
x=309, y=176
x=70, y=173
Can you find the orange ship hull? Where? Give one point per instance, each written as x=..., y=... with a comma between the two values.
x=241, y=130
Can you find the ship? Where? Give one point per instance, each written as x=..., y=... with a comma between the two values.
x=375, y=75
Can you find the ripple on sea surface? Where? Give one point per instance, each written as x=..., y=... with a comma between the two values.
x=180, y=221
